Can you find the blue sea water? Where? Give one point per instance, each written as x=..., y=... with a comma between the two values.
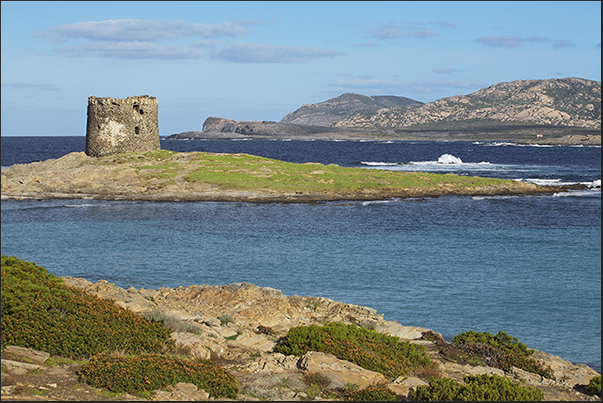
x=529, y=266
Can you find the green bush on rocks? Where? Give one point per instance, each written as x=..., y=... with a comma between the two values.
x=372, y=393
x=138, y=374
x=594, y=386
x=476, y=388
x=501, y=351
x=364, y=347
x=40, y=311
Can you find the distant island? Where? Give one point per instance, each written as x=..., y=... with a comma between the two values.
x=554, y=111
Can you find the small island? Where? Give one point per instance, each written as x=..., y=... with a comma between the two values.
x=163, y=175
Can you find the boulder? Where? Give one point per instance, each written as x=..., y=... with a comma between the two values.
x=340, y=372
x=402, y=386
x=26, y=355
x=181, y=392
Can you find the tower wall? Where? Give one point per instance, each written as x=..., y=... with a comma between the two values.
x=122, y=125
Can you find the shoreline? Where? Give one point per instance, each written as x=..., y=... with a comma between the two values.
x=251, y=355
x=238, y=326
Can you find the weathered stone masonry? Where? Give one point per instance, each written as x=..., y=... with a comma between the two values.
x=122, y=125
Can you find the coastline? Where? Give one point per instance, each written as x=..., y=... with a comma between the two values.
x=259, y=316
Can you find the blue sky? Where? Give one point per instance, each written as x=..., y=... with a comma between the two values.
x=261, y=60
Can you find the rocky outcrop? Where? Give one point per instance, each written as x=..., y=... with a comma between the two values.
x=573, y=102
x=334, y=109
x=239, y=324
x=215, y=127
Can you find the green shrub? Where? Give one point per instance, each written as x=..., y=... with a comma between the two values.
x=374, y=393
x=40, y=311
x=364, y=347
x=594, y=386
x=501, y=351
x=138, y=374
x=502, y=341
x=476, y=388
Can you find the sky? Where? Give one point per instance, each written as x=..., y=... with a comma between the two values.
x=261, y=60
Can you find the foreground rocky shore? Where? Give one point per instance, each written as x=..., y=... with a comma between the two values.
x=238, y=326
x=166, y=176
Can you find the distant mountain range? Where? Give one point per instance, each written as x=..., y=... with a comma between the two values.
x=519, y=110
x=335, y=109
x=567, y=102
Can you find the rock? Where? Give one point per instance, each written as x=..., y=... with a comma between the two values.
x=565, y=372
x=403, y=332
x=402, y=386
x=199, y=346
x=18, y=368
x=181, y=392
x=340, y=372
x=272, y=363
x=26, y=354
x=458, y=372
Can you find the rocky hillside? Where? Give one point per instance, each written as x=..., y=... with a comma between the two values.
x=334, y=109
x=570, y=102
x=240, y=324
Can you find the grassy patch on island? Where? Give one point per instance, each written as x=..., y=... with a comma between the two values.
x=244, y=171
x=250, y=172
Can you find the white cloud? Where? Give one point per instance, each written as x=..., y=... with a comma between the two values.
x=512, y=41
x=412, y=30
x=131, y=50
x=393, y=31
x=445, y=70
x=34, y=86
x=139, y=39
x=447, y=24
x=563, y=44
x=245, y=52
x=130, y=30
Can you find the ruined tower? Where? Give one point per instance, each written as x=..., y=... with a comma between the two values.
x=122, y=125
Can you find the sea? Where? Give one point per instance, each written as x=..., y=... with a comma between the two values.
x=529, y=266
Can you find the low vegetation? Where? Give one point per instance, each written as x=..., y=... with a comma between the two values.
x=243, y=171
x=129, y=353
x=501, y=351
x=41, y=312
x=367, y=348
x=250, y=172
x=476, y=388
x=144, y=373
x=377, y=393
x=594, y=386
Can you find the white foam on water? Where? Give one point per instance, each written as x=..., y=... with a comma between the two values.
x=371, y=163
x=449, y=159
x=580, y=193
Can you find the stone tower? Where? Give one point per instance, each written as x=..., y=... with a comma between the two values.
x=122, y=125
